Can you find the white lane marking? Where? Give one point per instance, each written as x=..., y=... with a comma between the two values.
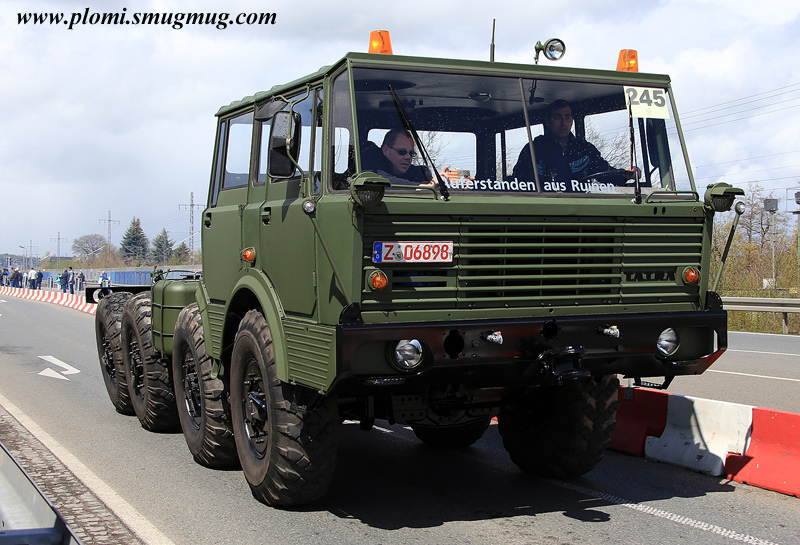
x=660, y=513
x=759, y=352
x=646, y=509
x=52, y=373
x=142, y=527
x=751, y=375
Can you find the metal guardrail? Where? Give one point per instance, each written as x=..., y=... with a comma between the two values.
x=26, y=516
x=761, y=304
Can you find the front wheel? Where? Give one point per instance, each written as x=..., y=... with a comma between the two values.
x=558, y=432
x=286, y=436
x=202, y=399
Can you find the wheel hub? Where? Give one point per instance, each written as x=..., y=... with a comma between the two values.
x=256, y=414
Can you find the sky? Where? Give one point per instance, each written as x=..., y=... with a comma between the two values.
x=118, y=120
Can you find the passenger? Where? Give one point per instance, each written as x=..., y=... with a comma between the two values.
x=561, y=156
x=395, y=160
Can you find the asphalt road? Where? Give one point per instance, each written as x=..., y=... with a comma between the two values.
x=388, y=488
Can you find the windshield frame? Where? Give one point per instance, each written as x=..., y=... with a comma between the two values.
x=445, y=67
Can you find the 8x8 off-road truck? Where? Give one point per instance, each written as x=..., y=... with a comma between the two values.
x=333, y=289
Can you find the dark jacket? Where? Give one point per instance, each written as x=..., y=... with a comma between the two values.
x=555, y=163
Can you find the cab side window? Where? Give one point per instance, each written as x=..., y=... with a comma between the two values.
x=237, y=155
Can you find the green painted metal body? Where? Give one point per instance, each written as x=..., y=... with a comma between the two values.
x=521, y=260
x=168, y=298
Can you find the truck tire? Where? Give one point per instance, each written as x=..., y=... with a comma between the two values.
x=286, y=440
x=452, y=436
x=146, y=371
x=203, y=405
x=108, y=331
x=561, y=432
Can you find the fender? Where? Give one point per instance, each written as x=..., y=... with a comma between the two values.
x=252, y=290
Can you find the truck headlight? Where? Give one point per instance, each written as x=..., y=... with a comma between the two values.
x=407, y=354
x=668, y=342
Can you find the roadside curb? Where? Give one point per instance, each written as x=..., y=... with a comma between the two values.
x=76, y=302
x=751, y=445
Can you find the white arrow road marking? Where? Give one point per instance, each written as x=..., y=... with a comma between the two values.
x=67, y=369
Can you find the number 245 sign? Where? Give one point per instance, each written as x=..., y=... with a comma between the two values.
x=646, y=102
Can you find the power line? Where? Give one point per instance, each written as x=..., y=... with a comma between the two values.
x=747, y=159
x=743, y=98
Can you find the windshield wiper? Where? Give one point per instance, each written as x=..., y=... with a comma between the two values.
x=637, y=188
x=409, y=127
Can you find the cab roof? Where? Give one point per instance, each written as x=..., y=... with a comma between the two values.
x=549, y=71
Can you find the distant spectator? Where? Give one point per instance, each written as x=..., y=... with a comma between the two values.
x=64, y=281
x=32, y=278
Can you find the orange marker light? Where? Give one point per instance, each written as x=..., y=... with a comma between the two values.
x=380, y=42
x=249, y=255
x=691, y=275
x=628, y=61
x=378, y=280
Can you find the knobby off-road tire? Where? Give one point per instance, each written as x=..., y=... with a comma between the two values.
x=286, y=444
x=146, y=371
x=108, y=331
x=202, y=400
x=452, y=436
x=561, y=432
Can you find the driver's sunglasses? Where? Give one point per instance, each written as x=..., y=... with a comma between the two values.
x=402, y=152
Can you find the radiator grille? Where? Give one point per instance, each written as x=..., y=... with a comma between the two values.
x=533, y=262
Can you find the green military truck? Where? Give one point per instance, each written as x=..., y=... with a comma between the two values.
x=335, y=290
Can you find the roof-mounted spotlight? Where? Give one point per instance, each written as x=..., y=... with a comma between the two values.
x=553, y=49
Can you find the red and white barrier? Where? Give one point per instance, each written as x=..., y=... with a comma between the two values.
x=752, y=445
x=77, y=302
x=700, y=433
x=641, y=413
x=772, y=459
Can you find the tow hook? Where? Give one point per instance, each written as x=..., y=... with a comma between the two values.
x=558, y=368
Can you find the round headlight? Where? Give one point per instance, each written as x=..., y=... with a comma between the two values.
x=407, y=354
x=668, y=342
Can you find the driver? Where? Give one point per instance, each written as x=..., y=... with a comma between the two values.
x=561, y=156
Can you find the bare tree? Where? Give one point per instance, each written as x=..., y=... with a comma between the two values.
x=87, y=246
x=615, y=150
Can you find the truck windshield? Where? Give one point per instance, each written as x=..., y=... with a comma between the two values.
x=481, y=134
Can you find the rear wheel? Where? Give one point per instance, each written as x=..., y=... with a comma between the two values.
x=285, y=435
x=452, y=436
x=558, y=432
x=146, y=371
x=202, y=400
x=108, y=332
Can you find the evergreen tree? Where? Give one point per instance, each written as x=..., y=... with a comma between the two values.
x=134, y=244
x=181, y=255
x=161, y=253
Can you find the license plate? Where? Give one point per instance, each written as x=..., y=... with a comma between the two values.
x=412, y=252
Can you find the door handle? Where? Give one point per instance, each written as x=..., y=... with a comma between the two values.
x=207, y=219
x=266, y=215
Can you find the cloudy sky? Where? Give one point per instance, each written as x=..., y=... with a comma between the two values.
x=120, y=119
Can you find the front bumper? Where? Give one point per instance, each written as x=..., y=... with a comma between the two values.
x=608, y=344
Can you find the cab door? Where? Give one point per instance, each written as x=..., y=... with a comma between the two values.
x=287, y=240
x=222, y=219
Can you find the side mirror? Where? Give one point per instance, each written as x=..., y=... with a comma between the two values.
x=284, y=144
